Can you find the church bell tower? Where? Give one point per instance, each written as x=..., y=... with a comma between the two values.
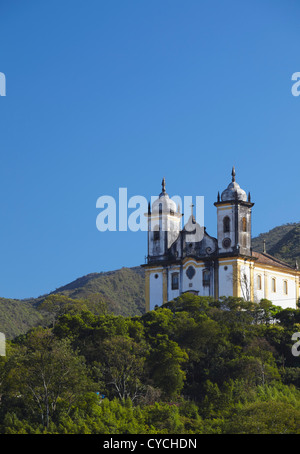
x=164, y=224
x=234, y=219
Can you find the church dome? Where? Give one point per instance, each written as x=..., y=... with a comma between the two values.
x=233, y=191
x=167, y=205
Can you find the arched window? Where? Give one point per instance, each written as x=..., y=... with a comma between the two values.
x=206, y=277
x=285, y=287
x=273, y=285
x=244, y=224
x=226, y=224
x=175, y=281
x=259, y=282
x=156, y=233
x=244, y=241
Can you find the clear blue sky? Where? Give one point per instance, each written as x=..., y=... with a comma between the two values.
x=109, y=94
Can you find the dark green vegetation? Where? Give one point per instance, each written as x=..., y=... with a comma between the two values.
x=122, y=291
x=17, y=317
x=282, y=242
x=193, y=366
x=87, y=359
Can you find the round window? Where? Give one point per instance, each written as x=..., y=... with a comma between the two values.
x=226, y=243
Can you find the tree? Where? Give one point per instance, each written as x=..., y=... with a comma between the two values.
x=164, y=362
x=242, y=280
x=264, y=418
x=123, y=363
x=265, y=312
x=257, y=364
x=58, y=305
x=46, y=371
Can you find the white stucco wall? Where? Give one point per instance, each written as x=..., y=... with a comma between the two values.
x=169, y=228
x=259, y=293
x=194, y=284
x=278, y=298
x=244, y=280
x=156, y=288
x=225, y=279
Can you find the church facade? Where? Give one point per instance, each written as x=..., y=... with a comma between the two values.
x=188, y=259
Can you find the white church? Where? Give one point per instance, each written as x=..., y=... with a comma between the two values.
x=187, y=259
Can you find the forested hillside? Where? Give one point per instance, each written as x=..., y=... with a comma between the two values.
x=122, y=290
x=282, y=242
x=88, y=359
x=17, y=317
x=194, y=366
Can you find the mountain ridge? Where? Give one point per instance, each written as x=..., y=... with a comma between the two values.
x=282, y=242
